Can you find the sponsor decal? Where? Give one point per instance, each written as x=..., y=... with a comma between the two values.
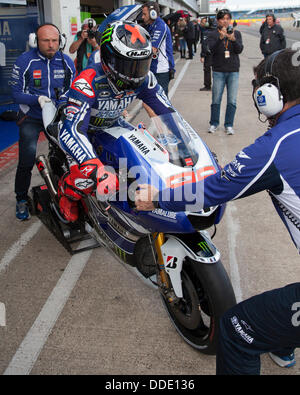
x=70, y=143
x=138, y=54
x=87, y=170
x=238, y=328
x=81, y=85
x=261, y=101
x=205, y=172
x=82, y=183
x=37, y=74
x=106, y=35
x=189, y=161
x=104, y=93
x=75, y=102
x=203, y=245
x=139, y=144
x=237, y=165
x=171, y=262
x=37, y=78
x=164, y=213
x=59, y=74
x=242, y=154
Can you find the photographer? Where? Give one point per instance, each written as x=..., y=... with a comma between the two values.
x=85, y=42
x=225, y=45
x=205, y=55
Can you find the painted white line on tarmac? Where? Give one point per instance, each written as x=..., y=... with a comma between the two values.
x=179, y=78
x=15, y=249
x=33, y=343
x=138, y=106
x=233, y=230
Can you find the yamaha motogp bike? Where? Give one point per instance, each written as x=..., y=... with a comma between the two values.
x=172, y=251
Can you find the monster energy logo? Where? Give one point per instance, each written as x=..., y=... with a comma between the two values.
x=121, y=253
x=120, y=83
x=203, y=245
x=106, y=36
x=98, y=121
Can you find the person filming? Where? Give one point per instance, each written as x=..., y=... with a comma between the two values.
x=85, y=42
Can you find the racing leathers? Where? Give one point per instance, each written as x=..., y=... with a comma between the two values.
x=94, y=104
x=271, y=163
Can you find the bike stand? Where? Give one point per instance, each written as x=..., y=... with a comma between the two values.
x=67, y=234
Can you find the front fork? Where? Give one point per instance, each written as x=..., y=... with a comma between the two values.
x=159, y=239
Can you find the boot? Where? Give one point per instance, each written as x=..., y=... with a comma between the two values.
x=68, y=208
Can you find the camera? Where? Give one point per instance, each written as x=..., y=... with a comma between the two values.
x=230, y=29
x=91, y=33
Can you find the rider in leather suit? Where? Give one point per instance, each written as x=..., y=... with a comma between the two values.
x=97, y=99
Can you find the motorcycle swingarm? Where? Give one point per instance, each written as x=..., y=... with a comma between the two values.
x=198, y=247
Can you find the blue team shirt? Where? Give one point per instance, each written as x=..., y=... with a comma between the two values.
x=34, y=75
x=271, y=163
x=162, y=40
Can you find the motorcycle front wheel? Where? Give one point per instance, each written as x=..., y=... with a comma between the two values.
x=207, y=294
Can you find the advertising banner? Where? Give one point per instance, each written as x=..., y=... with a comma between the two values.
x=15, y=25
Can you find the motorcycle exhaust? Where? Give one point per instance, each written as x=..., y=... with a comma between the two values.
x=44, y=170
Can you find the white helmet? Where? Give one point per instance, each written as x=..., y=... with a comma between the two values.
x=126, y=54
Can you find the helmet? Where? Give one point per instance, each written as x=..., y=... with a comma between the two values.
x=126, y=53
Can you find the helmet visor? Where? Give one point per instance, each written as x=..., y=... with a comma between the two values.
x=129, y=68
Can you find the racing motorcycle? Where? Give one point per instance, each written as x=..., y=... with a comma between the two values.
x=172, y=251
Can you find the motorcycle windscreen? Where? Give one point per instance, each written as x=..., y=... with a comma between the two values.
x=172, y=133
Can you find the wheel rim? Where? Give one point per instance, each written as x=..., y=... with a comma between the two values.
x=192, y=311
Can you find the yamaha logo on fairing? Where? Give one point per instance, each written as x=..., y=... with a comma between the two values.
x=137, y=54
x=139, y=144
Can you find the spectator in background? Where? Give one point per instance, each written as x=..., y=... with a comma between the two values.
x=179, y=32
x=197, y=34
x=225, y=46
x=162, y=64
x=205, y=55
x=39, y=75
x=189, y=35
x=272, y=36
x=85, y=42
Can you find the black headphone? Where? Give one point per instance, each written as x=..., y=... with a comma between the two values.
x=34, y=40
x=266, y=93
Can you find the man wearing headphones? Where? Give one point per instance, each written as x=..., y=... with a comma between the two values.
x=39, y=75
x=272, y=36
x=269, y=322
x=162, y=65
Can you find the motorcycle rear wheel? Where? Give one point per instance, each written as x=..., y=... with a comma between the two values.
x=207, y=294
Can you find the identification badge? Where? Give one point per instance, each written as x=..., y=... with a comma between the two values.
x=268, y=41
x=227, y=54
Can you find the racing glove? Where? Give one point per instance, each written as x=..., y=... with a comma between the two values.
x=106, y=181
x=82, y=179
